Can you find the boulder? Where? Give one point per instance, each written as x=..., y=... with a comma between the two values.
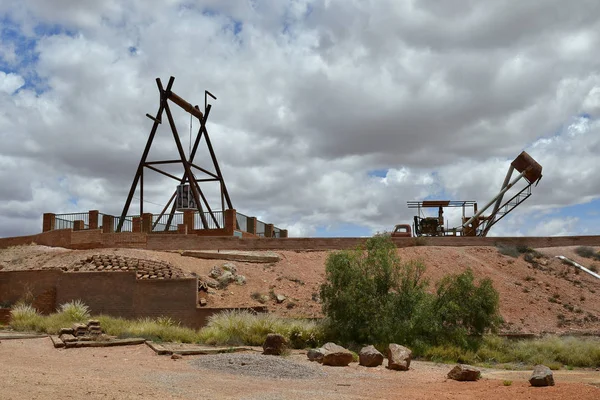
x=225, y=279
x=210, y=282
x=462, y=372
x=274, y=344
x=240, y=280
x=541, y=376
x=215, y=272
x=370, y=357
x=230, y=267
x=280, y=298
x=398, y=357
x=67, y=338
x=335, y=355
x=315, y=355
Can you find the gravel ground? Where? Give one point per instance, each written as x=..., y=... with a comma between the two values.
x=258, y=365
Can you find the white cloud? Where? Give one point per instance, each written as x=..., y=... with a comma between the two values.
x=10, y=83
x=312, y=97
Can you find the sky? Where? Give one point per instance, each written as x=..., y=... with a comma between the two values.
x=330, y=114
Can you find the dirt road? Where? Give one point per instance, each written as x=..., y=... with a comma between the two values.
x=33, y=369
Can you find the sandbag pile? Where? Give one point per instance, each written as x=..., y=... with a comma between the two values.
x=83, y=332
x=144, y=269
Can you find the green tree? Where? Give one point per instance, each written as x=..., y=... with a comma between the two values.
x=370, y=296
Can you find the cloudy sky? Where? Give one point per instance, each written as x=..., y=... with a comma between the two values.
x=330, y=114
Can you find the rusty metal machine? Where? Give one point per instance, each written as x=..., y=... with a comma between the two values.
x=478, y=224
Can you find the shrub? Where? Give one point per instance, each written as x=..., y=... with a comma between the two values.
x=75, y=310
x=371, y=297
x=507, y=250
x=585, y=251
x=23, y=317
x=463, y=307
x=241, y=327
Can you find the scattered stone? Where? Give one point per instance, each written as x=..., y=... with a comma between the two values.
x=215, y=272
x=210, y=282
x=462, y=372
x=65, y=331
x=203, y=302
x=176, y=356
x=225, y=279
x=398, y=357
x=230, y=267
x=541, y=376
x=335, y=355
x=280, y=298
x=66, y=338
x=370, y=357
x=240, y=280
x=274, y=344
x=315, y=355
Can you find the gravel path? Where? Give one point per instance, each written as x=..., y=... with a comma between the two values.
x=258, y=365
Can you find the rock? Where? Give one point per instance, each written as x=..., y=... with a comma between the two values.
x=210, y=282
x=370, y=357
x=315, y=355
x=225, y=279
x=93, y=322
x=541, y=376
x=335, y=355
x=215, y=272
x=66, y=337
x=240, y=280
x=398, y=357
x=280, y=298
x=230, y=267
x=203, y=302
x=176, y=356
x=274, y=344
x=462, y=372
x=65, y=331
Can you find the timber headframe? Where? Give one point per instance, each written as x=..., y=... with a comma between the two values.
x=188, y=177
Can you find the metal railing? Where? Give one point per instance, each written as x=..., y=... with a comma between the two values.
x=242, y=222
x=260, y=228
x=219, y=216
x=127, y=223
x=161, y=224
x=66, y=221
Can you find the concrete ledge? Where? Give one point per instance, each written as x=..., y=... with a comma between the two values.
x=232, y=256
x=188, y=349
x=108, y=343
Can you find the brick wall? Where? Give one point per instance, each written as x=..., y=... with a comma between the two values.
x=16, y=241
x=4, y=316
x=41, y=284
x=105, y=293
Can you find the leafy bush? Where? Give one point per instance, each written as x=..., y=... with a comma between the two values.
x=371, y=297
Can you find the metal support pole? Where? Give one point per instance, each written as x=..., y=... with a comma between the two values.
x=499, y=201
x=474, y=217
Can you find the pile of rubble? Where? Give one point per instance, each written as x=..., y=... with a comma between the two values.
x=221, y=277
x=144, y=269
x=82, y=332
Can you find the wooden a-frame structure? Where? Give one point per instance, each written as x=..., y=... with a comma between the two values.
x=167, y=95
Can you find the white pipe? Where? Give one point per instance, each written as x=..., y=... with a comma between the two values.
x=581, y=267
x=493, y=200
x=499, y=201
